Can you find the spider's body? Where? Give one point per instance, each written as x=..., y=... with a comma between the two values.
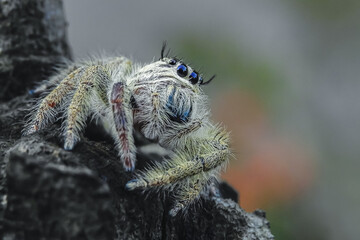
x=162, y=100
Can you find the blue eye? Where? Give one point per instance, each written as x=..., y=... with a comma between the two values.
x=172, y=62
x=182, y=70
x=194, y=77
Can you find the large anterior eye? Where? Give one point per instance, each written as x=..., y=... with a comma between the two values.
x=194, y=77
x=182, y=70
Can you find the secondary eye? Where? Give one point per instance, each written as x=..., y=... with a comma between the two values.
x=194, y=77
x=172, y=62
x=200, y=80
x=182, y=70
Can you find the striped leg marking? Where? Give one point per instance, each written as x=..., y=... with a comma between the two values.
x=122, y=113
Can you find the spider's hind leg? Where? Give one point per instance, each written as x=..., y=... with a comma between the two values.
x=48, y=107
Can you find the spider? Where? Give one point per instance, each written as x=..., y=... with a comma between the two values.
x=163, y=101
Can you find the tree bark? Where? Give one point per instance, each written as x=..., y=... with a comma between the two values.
x=32, y=41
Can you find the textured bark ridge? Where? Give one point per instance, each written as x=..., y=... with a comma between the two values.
x=32, y=41
x=49, y=193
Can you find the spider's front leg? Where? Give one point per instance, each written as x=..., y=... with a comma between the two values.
x=120, y=100
x=189, y=168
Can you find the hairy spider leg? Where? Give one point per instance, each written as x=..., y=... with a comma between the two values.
x=192, y=167
x=48, y=107
x=123, y=120
x=188, y=193
x=200, y=155
x=80, y=106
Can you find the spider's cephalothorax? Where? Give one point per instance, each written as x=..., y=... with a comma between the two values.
x=162, y=100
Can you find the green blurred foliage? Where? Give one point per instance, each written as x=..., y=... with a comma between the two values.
x=233, y=68
x=328, y=10
x=291, y=222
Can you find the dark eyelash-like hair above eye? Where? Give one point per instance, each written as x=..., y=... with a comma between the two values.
x=208, y=81
x=163, y=48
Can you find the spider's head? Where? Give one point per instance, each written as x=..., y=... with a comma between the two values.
x=169, y=71
x=169, y=99
x=182, y=69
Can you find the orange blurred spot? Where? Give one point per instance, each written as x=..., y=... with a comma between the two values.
x=272, y=169
x=274, y=173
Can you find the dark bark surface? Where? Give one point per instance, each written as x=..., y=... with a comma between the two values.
x=49, y=193
x=32, y=41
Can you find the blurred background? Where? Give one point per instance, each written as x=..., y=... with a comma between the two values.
x=287, y=88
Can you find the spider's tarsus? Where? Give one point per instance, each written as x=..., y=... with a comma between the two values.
x=130, y=168
x=128, y=163
x=175, y=210
x=29, y=131
x=131, y=185
x=67, y=148
x=69, y=145
x=135, y=183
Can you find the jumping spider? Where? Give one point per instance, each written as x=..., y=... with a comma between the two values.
x=162, y=100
